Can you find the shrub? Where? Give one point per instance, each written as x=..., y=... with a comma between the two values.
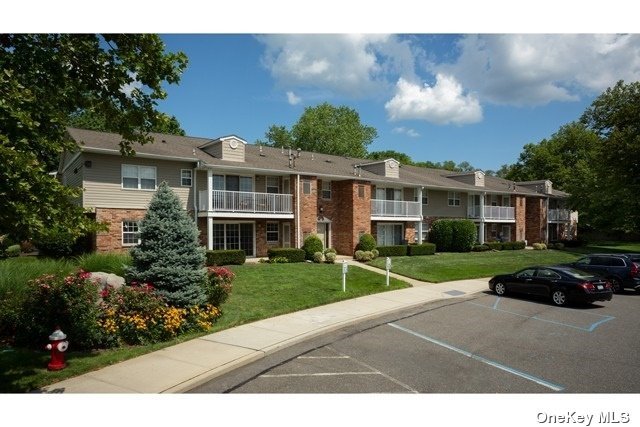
x=13, y=251
x=225, y=257
x=218, y=285
x=442, y=235
x=464, y=235
x=312, y=244
x=480, y=248
x=364, y=256
x=376, y=253
x=366, y=243
x=508, y=246
x=396, y=250
x=55, y=242
x=494, y=246
x=539, y=246
x=330, y=257
x=358, y=255
x=27, y=246
x=169, y=254
x=318, y=257
x=330, y=250
x=519, y=245
x=290, y=254
x=57, y=301
x=422, y=249
x=137, y=315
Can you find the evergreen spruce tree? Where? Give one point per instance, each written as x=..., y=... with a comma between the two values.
x=169, y=255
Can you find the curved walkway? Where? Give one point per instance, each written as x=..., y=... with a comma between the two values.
x=183, y=366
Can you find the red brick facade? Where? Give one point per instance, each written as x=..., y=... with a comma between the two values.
x=536, y=220
x=111, y=240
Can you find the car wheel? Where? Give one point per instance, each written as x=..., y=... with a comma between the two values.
x=616, y=285
x=559, y=297
x=500, y=288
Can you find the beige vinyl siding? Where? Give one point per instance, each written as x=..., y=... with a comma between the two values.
x=103, y=182
x=391, y=172
x=223, y=151
x=72, y=177
x=472, y=178
x=438, y=205
x=260, y=184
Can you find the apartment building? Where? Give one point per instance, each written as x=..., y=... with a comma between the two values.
x=250, y=197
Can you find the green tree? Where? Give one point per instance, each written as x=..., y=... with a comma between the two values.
x=615, y=117
x=325, y=129
x=169, y=255
x=390, y=154
x=87, y=119
x=44, y=79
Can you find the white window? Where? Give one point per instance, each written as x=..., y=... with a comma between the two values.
x=306, y=186
x=425, y=197
x=273, y=183
x=272, y=232
x=186, y=177
x=453, y=198
x=506, y=201
x=130, y=233
x=139, y=177
x=326, y=190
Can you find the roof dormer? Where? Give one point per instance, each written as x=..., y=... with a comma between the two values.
x=475, y=178
x=230, y=148
x=389, y=168
x=543, y=186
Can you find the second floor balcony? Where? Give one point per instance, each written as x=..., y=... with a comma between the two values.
x=396, y=209
x=559, y=215
x=492, y=213
x=245, y=202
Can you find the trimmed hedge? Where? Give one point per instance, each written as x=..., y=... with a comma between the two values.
x=494, y=246
x=396, y=250
x=453, y=235
x=226, y=257
x=13, y=251
x=480, y=248
x=422, y=249
x=291, y=254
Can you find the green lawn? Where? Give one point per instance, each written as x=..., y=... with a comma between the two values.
x=608, y=247
x=444, y=267
x=260, y=291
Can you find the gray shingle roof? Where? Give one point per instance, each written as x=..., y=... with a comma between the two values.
x=276, y=160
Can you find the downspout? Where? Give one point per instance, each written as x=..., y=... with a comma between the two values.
x=195, y=191
x=546, y=231
x=298, y=211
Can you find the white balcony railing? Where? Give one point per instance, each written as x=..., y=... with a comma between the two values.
x=395, y=209
x=559, y=214
x=245, y=202
x=500, y=213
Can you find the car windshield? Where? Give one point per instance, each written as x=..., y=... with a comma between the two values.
x=578, y=274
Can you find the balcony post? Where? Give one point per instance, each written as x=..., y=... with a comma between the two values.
x=420, y=211
x=209, y=233
x=481, y=228
x=209, y=190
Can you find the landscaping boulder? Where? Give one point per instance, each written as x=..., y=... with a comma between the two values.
x=107, y=279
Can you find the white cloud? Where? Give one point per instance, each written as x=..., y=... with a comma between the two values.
x=406, y=131
x=537, y=69
x=443, y=103
x=344, y=64
x=292, y=98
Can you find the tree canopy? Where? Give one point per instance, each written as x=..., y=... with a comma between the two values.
x=88, y=119
x=325, y=129
x=597, y=160
x=45, y=79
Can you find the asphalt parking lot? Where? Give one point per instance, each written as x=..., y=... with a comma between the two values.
x=481, y=344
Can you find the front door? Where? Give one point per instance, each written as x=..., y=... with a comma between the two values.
x=286, y=235
x=323, y=233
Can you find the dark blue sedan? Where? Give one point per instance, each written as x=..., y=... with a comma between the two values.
x=560, y=284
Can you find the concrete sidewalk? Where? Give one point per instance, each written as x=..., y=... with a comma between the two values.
x=184, y=366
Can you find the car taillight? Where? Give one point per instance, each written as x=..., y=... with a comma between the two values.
x=607, y=285
x=635, y=270
x=587, y=286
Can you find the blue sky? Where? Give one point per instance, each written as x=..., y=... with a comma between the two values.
x=475, y=98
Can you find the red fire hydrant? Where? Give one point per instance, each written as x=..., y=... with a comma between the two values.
x=58, y=346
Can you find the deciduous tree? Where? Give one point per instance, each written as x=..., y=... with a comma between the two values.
x=44, y=79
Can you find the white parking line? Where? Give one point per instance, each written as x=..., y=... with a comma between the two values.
x=500, y=366
x=323, y=357
x=319, y=374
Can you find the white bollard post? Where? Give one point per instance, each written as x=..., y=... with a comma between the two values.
x=388, y=266
x=345, y=268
